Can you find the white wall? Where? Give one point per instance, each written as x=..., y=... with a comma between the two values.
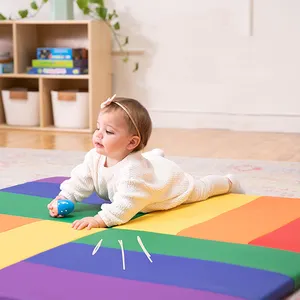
x=201, y=68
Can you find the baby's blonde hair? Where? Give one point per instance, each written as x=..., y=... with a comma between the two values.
x=138, y=113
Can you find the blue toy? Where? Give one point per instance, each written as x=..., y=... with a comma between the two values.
x=64, y=207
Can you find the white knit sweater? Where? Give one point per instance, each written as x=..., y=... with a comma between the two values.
x=141, y=182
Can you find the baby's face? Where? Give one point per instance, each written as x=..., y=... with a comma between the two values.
x=112, y=136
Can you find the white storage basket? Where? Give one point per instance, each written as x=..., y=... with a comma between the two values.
x=21, y=107
x=70, y=109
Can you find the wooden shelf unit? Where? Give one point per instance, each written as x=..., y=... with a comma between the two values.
x=23, y=37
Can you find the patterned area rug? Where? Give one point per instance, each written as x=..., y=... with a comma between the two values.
x=258, y=177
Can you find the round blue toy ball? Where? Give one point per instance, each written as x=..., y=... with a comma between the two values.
x=64, y=207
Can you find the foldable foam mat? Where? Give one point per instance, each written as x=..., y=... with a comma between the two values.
x=228, y=247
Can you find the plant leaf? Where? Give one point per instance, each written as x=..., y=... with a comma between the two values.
x=126, y=41
x=102, y=12
x=136, y=67
x=45, y=1
x=117, y=26
x=112, y=15
x=82, y=4
x=99, y=2
x=23, y=13
x=2, y=17
x=33, y=5
x=86, y=11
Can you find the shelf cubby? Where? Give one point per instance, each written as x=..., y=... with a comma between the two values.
x=23, y=37
x=53, y=84
x=6, y=34
x=30, y=36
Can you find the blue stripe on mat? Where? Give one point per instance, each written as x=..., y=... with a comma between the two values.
x=46, y=190
x=211, y=276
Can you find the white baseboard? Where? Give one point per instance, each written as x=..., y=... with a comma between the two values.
x=238, y=122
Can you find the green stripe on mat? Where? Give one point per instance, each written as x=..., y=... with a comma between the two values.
x=36, y=207
x=274, y=260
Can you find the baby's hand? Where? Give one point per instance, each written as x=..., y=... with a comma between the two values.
x=52, y=206
x=89, y=222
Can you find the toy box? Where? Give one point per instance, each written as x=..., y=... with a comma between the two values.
x=70, y=108
x=21, y=107
x=62, y=53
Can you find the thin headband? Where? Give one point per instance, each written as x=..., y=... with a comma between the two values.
x=110, y=100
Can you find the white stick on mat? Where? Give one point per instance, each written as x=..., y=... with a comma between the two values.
x=144, y=249
x=123, y=256
x=97, y=247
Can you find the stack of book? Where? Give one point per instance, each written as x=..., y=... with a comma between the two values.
x=60, y=61
x=6, y=63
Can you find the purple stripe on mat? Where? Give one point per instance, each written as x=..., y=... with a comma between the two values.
x=58, y=179
x=27, y=281
x=46, y=190
x=216, y=277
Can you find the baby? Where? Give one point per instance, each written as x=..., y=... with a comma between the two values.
x=117, y=170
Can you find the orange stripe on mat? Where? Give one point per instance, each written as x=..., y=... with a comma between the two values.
x=284, y=238
x=8, y=222
x=248, y=222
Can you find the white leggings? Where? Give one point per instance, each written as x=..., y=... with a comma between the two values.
x=209, y=186
x=206, y=187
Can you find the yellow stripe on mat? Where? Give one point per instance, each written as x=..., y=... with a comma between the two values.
x=184, y=216
x=26, y=241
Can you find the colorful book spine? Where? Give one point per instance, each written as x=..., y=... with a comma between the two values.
x=50, y=63
x=61, y=53
x=57, y=71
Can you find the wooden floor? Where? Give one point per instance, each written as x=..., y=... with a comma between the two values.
x=181, y=142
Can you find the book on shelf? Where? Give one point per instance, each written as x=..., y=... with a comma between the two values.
x=66, y=63
x=57, y=71
x=61, y=53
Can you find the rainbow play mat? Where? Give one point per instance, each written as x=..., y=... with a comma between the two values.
x=228, y=247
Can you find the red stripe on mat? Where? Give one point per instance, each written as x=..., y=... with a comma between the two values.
x=285, y=238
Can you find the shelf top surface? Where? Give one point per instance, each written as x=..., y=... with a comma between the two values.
x=6, y=22
x=55, y=22
x=37, y=76
x=49, y=22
